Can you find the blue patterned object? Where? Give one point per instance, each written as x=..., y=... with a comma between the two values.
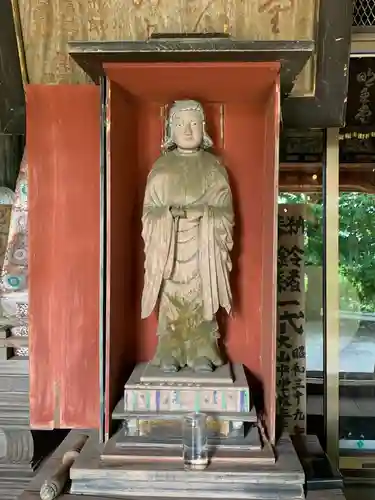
x=14, y=281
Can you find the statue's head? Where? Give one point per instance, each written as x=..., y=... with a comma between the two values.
x=186, y=127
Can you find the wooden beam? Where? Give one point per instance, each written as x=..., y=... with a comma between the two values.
x=328, y=106
x=362, y=44
x=307, y=177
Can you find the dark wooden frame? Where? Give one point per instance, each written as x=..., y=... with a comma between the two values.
x=103, y=254
x=292, y=55
x=12, y=96
x=328, y=106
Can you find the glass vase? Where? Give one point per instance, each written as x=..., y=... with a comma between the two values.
x=194, y=441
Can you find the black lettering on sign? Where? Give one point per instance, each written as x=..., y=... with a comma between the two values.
x=291, y=225
x=290, y=319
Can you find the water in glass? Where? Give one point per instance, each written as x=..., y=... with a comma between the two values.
x=195, y=447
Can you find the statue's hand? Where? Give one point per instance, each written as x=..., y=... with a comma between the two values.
x=195, y=212
x=178, y=212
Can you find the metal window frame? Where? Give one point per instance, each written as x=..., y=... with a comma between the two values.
x=361, y=28
x=362, y=45
x=331, y=315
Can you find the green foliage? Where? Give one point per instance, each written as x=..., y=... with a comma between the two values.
x=356, y=244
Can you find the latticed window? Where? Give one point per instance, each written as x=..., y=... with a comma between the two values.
x=364, y=14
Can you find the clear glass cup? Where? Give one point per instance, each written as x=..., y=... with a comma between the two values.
x=194, y=441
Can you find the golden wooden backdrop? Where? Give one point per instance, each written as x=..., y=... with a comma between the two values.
x=48, y=26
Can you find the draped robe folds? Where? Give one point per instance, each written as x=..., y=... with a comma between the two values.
x=187, y=261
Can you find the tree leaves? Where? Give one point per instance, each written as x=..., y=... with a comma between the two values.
x=356, y=241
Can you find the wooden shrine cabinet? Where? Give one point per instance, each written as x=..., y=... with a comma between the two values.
x=90, y=148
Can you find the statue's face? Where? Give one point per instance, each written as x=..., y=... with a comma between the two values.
x=187, y=129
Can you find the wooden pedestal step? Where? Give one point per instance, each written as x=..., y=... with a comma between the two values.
x=113, y=455
x=120, y=414
x=283, y=479
x=244, y=446
x=286, y=471
x=313, y=495
x=168, y=434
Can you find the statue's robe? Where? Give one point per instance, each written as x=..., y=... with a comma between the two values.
x=187, y=261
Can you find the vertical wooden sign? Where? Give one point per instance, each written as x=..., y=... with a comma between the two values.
x=291, y=351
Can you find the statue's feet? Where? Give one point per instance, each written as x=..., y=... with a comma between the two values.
x=169, y=364
x=202, y=365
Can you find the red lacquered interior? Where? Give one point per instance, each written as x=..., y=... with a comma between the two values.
x=242, y=108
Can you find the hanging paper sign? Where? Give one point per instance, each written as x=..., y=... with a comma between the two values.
x=291, y=352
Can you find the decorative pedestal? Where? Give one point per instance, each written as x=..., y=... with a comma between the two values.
x=155, y=401
x=153, y=395
x=224, y=391
x=144, y=458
